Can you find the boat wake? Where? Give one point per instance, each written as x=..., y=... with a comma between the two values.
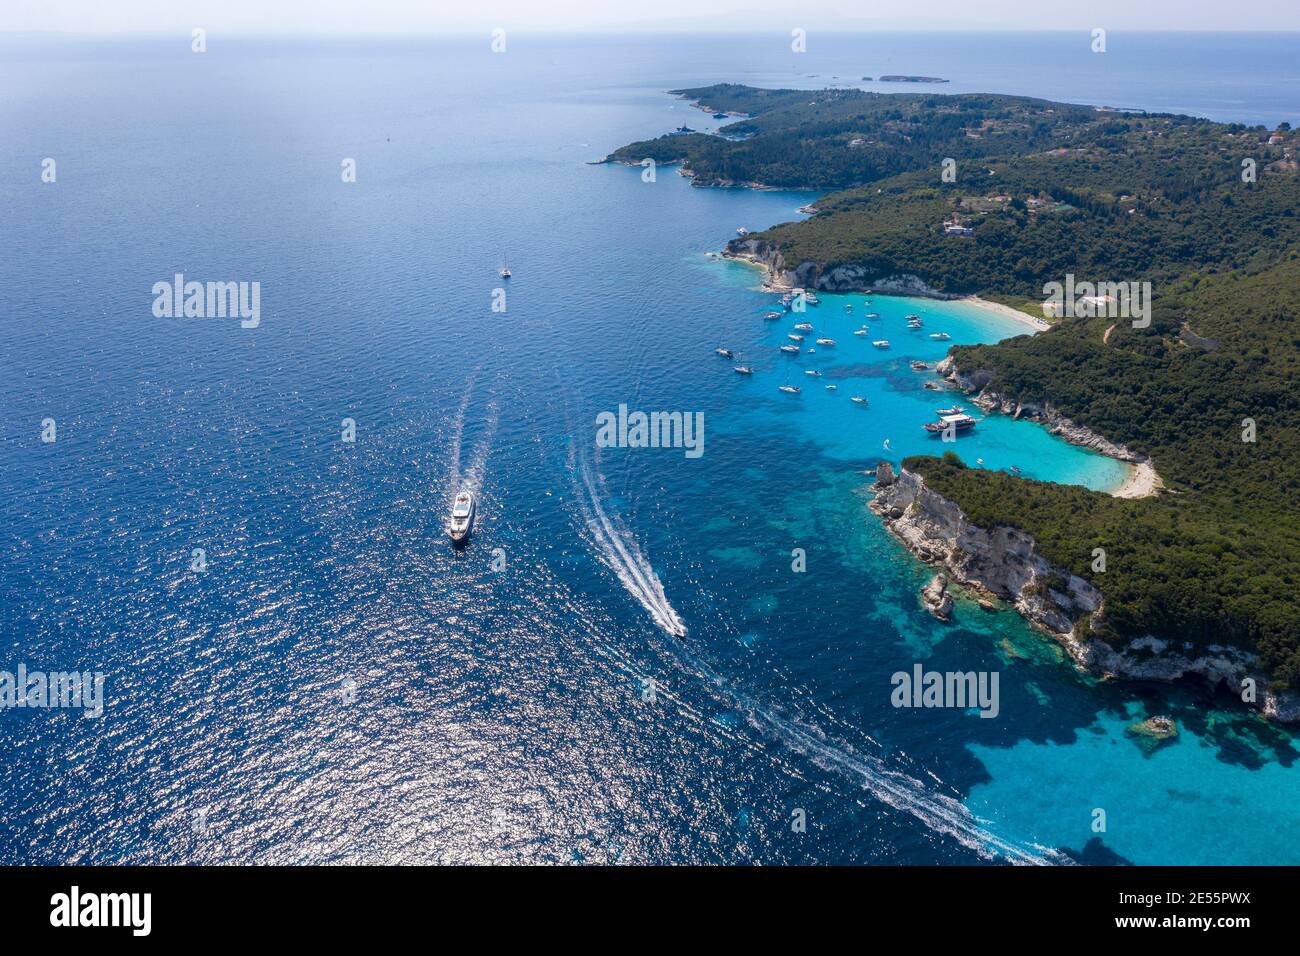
x=773, y=733
x=617, y=549
x=938, y=811
x=477, y=468
x=471, y=476
x=458, y=430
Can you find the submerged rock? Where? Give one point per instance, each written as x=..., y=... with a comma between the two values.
x=1153, y=732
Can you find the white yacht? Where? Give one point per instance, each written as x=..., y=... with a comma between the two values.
x=462, y=517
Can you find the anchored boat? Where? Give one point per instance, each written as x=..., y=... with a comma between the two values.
x=957, y=422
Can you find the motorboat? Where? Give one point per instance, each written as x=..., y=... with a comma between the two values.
x=463, y=509
x=958, y=423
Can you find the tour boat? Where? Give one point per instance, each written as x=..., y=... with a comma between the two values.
x=795, y=337
x=940, y=336
x=958, y=422
x=462, y=517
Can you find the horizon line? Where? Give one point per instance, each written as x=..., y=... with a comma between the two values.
x=394, y=33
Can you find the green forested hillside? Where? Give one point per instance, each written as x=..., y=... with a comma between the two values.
x=1217, y=559
x=1049, y=190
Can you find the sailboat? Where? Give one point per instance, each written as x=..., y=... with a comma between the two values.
x=504, y=270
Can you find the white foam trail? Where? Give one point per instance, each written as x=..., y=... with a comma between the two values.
x=618, y=550
x=474, y=474
x=939, y=812
x=458, y=429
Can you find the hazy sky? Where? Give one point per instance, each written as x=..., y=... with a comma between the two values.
x=445, y=16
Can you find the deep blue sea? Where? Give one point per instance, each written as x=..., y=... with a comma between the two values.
x=337, y=684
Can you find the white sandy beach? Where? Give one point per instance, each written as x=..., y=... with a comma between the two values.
x=1141, y=482
x=1038, y=325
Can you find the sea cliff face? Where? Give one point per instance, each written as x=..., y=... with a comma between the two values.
x=1004, y=562
x=812, y=275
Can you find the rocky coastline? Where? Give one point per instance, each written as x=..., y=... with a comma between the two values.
x=1004, y=563
x=848, y=277
x=976, y=384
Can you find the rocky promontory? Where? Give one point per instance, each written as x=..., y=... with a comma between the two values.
x=846, y=277
x=1004, y=562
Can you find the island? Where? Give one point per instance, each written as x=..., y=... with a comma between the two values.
x=1196, y=568
x=895, y=78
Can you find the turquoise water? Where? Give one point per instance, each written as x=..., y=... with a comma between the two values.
x=898, y=402
x=497, y=712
